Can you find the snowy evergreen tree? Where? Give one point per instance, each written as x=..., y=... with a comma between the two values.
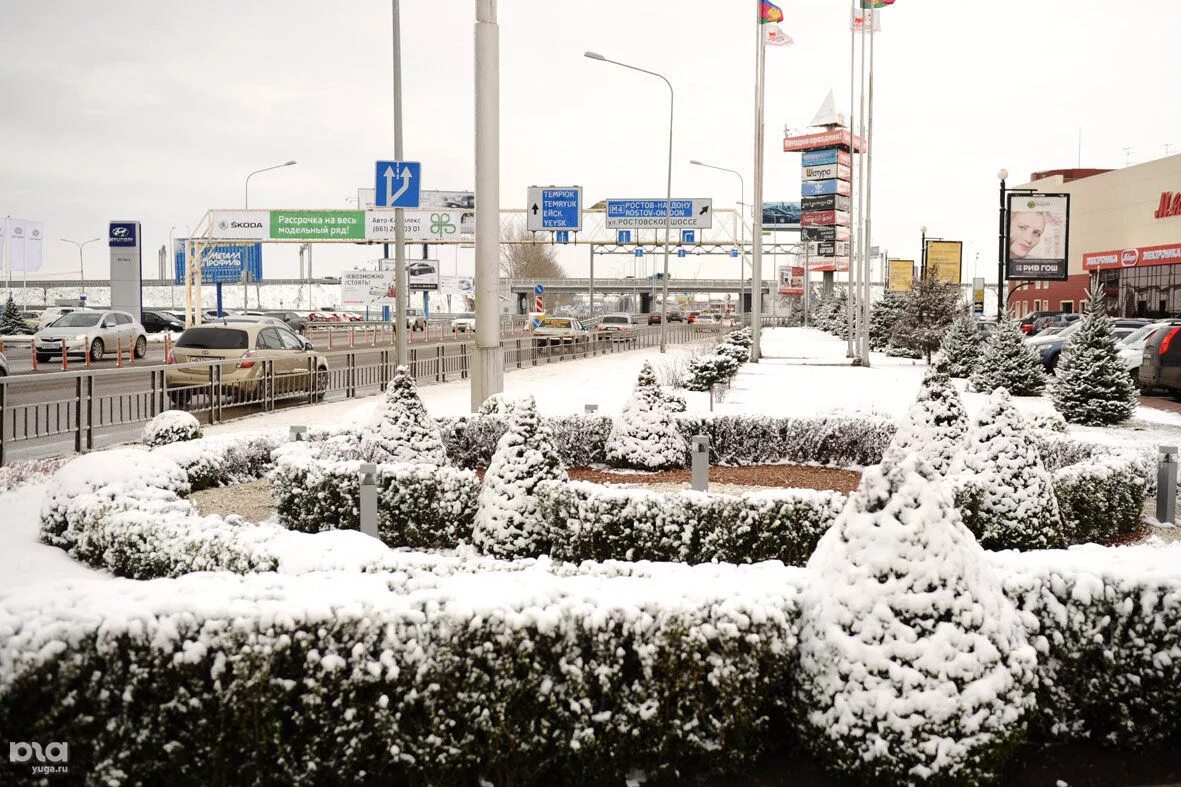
x=913, y=664
x=927, y=310
x=935, y=427
x=960, y=351
x=1092, y=385
x=838, y=315
x=1006, y=495
x=401, y=430
x=11, y=323
x=508, y=524
x=1008, y=362
x=709, y=369
x=882, y=317
x=646, y=436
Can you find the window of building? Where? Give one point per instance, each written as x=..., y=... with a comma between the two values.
x=1067, y=306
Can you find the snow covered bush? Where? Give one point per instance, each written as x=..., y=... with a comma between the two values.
x=1047, y=422
x=836, y=440
x=1092, y=385
x=496, y=404
x=508, y=523
x=171, y=426
x=1101, y=500
x=401, y=430
x=935, y=427
x=913, y=665
x=597, y=522
x=646, y=435
x=708, y=370
x=1008, y=362
x=735, y=352
x=960, y=352
x=418, y=505
x=1006, y=497
x=30, y=471
x=221, y=461
x=580, y=440
x=673, y=401
x=743, y=337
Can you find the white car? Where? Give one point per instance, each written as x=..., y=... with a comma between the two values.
x=99, y=331
x=464, y=323
x=557, y=331
x=706, y=318
x=1131, y=347
x=612, y=325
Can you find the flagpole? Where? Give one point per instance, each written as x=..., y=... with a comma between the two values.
x=756, y=267
x=852, y=240
x=864, y=348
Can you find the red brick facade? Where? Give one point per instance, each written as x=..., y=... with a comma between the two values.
x=1033, y=296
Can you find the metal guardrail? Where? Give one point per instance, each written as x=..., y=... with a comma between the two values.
x=82, y=410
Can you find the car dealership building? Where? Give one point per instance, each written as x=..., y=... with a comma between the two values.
x=1125, y=230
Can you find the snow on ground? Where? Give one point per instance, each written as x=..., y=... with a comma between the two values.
x=24, y=560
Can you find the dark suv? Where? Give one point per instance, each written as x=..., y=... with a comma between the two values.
x=1160, y=367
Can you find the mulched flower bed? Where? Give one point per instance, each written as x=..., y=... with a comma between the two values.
x=784, y=476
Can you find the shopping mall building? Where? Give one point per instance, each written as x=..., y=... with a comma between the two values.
x=1125, y=230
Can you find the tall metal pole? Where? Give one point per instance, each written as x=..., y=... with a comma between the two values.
x=668, y=220
x=1000, y=260
x=402, y=296
x=853, y=147
x=863, y=338
x=756, y=267
x=488, y=362
x=867, y=20
x=807, y=282
x=592, y=280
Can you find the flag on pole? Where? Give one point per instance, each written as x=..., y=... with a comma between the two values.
x=769, y=13
x=774, y=35
x=25, y=244
x=859, y=18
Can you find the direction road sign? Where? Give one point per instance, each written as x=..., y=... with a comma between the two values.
x=562, y=236
x=538, y=289
x=681, y=252
x=650, y=214
x=397, y=184
x=688, y=236
x=639, y=252
x=623, y=236
x=554, y=208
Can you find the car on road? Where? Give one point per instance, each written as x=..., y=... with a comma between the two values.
x=558, y=331
x=616, y=326
x=654, y=318
x=158, y=322
x=464, y=322
x=99, y=331
x=415, y=320
x=249, y=345
x=708, y=318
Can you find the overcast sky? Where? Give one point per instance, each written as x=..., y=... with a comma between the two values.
x=157, y=110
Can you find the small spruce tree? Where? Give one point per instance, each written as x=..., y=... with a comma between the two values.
x=1008, y=362
x=936, y=427
x=401, y=430
x=960, y=352
x=1092, y=386
x=508, y=523
x=1006, y=495
x=882, y=317
x=646, y=436
x=927, y=311
x=11, y=323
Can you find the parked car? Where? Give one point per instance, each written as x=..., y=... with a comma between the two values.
x=1050, y=347
x=3, y=365
x=1160, y=363
x=53, y=313
x=264, y=319
x=1054, y=321
x=158, y=322
x=558, y=331
x=464, y=323
x=293, y=320
x=1027, y=322
x=616, y=326
x=32, y=321
x=415, y=320
x=250, y=344
x=101, y=331
x=1131, y=347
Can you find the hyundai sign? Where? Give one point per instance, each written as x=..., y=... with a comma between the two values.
x=223, y=263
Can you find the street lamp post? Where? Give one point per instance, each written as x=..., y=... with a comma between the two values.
x=246, y=204
x=81, y=268
x=923, y=255
x=741, y=227
x=1002, y=175
x=257, y=171
x=668, y=194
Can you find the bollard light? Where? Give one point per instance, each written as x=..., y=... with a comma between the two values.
x=369, y=499
x=1166, y=485
x=699, y=461
x=298, y=434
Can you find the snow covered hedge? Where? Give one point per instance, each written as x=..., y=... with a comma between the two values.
x=520, y=678
x=580, y=439
x=1101, y=500
x=220, y=461
x=418, y=505
x=596, y=522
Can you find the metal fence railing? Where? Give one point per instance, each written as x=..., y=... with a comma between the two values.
x=63, y=412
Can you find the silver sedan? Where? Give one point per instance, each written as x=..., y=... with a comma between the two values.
x=98, y=331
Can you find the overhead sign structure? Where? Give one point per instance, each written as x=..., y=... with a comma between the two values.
x=396, y=184
x=1038, y=240
x=651, y=214
x=901, y=276
x=554, y=208
x=221, y=263
x=945, y=260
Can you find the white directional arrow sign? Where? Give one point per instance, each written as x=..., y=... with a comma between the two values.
x=397, y=184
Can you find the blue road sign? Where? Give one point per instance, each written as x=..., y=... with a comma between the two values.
x=397, y=184
x=651, y=213
x=681, y=252
x=536, y=323
x=554, y=208
x=639, y=252
x=562, y=236
x=733, y=252
x=623, y=236
x=688, y=236
x=538, y=289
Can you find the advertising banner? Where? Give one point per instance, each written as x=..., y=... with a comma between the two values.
x=814, y=158
x=221, y=263
x=25, y=242
x=367, y=288
x=820, y=188
x=829, y=202
x=457, y=285
x=124, y=242
x=945, y=260
x=827, y=172
x=823, y=139
x=1038, y=233
x=241, y=224
x=829, y=264
x=825, y=233
x=901, y=276
x=978, y=295
x=422, y=275
x=828, y=249
x=1168, y=254
x=308, y=225
x=420, y=225
x=791, y=280
x=825, y=218
x=781, y=215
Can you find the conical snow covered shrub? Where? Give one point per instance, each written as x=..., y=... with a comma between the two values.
x=913, y=664
x=1092, y=386
x=935, y=427
x=497, y=404
x=960, y=352
x=646, y=436
x=1007, y=496
x=1007, y=362
x=401, y=430
x=508, y=523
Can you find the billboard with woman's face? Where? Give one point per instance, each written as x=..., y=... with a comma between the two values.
x=1037, y=245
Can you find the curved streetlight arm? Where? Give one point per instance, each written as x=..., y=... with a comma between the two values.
x=257, y=171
